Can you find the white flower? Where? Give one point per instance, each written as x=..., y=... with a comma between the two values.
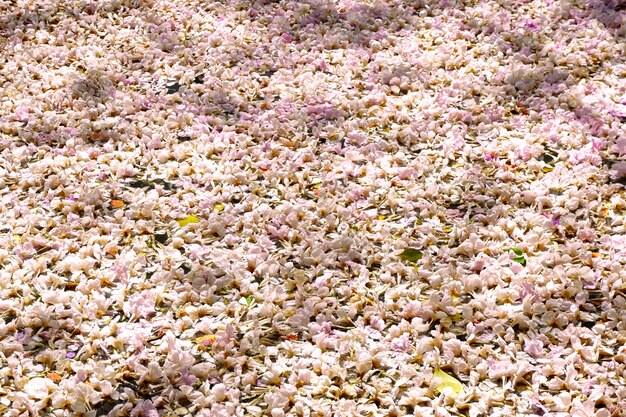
x=76, y=263
x=363, y=362
x=39, y=388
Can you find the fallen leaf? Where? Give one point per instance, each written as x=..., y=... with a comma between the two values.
x=115, y=204
x=247, y=301
x=456, y=318
x=188, y=220
x=219, y=207
x=410, y=254
x=161, y=237
x=448, y=383
x=519, y=256
x=520, y=260
x=173, y=88
x=54, y=376
x=548, y=159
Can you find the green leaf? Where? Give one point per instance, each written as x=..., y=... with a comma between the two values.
x=448, y=383
x=247, y=301
x=188, y=220
x=410, y=254
x=519, y=256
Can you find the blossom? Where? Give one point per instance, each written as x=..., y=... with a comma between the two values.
x=144, y=409
x=534, y=348
x=618, y=171
x=39, y=388
x=141, y=304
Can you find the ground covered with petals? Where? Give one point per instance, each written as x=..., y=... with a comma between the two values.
x=312, y=208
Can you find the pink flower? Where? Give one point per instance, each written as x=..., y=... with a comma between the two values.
x=144, y=409
x=531, y=25
x=597, y=145
x=618, y=171
x=586, y=235
x=534, y=348
x=186, y=378
x=141, y=304
x=377, y=323
x=620, y=147
x=528, y=289
x=22, y=113
x=401, y=344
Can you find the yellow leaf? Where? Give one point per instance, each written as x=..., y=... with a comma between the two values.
x=188, y=220
x=219, y=207
x=456, y=318
x=448, y=383
x=381, y=217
